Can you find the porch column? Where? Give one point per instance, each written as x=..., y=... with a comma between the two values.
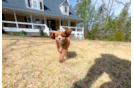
x=68, y=23
x=76, y=23
x=45, y=20
x=46, y=27
x=16, y=20
x=76, y=29
x=32, y=21
x=60, y=24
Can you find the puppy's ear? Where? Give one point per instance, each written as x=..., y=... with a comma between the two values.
x=52, y=35
x=68, y=32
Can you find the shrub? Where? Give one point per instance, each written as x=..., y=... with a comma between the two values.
x=23, y=33
x=46, y=35
x=41, y=32
x=16, y=33
x=90, y=34
x=119, y=36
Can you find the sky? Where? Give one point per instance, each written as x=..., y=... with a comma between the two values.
x=116, y=7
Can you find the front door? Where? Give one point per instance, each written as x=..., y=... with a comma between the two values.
x=51, y=24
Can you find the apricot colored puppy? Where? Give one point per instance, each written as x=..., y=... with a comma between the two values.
x=62, y=42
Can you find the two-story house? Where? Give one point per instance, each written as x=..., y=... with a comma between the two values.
x=32, y=15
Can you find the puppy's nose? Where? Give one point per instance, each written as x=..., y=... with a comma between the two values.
x=59, y=38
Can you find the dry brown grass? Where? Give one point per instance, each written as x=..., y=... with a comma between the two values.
x=32, y=62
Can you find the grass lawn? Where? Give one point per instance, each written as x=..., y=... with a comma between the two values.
x=30, y=62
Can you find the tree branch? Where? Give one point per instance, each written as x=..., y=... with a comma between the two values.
x=120, y=2
x=111, y=6
x=103, y=2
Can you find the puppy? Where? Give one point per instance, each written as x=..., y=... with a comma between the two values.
x=62, y=42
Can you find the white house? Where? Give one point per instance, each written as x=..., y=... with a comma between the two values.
x=32, y=15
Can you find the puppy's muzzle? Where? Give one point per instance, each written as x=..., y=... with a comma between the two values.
x=59, y=38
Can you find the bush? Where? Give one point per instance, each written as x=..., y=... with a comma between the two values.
x=119, y=36
x=16, y=33
x=108, y=39
x=22, y=33
x=90, y=34
x=46, y=34
x=41, y=32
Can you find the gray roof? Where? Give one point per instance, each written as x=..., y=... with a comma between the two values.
x=51, y=7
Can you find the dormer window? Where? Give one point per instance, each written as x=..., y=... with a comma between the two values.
x=35, y=4
x=65, y=9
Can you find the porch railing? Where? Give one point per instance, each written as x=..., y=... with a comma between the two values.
x=78, y=32
x=17, y=29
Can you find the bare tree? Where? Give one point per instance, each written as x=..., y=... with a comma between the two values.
x=120, y=2
x=108, y=8
x=111, y=7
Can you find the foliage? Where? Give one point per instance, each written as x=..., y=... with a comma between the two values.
x=41, y=32
x=101, y=24
x=119, y=36
x=38, y=35
x=16, y=33
x=22, y=33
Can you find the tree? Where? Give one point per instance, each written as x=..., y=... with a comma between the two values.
x=85, y=10
x=101, y=22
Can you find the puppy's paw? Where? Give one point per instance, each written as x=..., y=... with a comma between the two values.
x=60, y=60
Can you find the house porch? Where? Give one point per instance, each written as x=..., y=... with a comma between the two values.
x=16, y=20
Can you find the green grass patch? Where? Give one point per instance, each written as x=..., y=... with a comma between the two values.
x=11, y=49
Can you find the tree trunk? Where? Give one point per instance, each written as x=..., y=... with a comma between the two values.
x=111, y=6
x=107, y=13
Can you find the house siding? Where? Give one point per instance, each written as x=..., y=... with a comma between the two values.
x=51, y=7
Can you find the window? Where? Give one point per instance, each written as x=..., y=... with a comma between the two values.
x=37, y=21
x=35, y=4
x=65, y=9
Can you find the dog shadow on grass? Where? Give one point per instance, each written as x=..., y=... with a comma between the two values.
x=119, y=72
x=70, y=55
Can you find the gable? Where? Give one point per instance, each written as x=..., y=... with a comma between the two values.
x=65, y=3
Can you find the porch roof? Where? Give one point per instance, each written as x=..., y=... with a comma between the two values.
x=51, y=7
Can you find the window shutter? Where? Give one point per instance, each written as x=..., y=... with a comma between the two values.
x=40, y=5
x=29, y=3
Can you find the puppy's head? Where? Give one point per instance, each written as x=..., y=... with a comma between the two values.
x=60, y=36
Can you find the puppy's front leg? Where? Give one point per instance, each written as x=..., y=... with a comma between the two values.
x=62, y=54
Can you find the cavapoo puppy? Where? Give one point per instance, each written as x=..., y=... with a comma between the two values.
x=62, y=42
